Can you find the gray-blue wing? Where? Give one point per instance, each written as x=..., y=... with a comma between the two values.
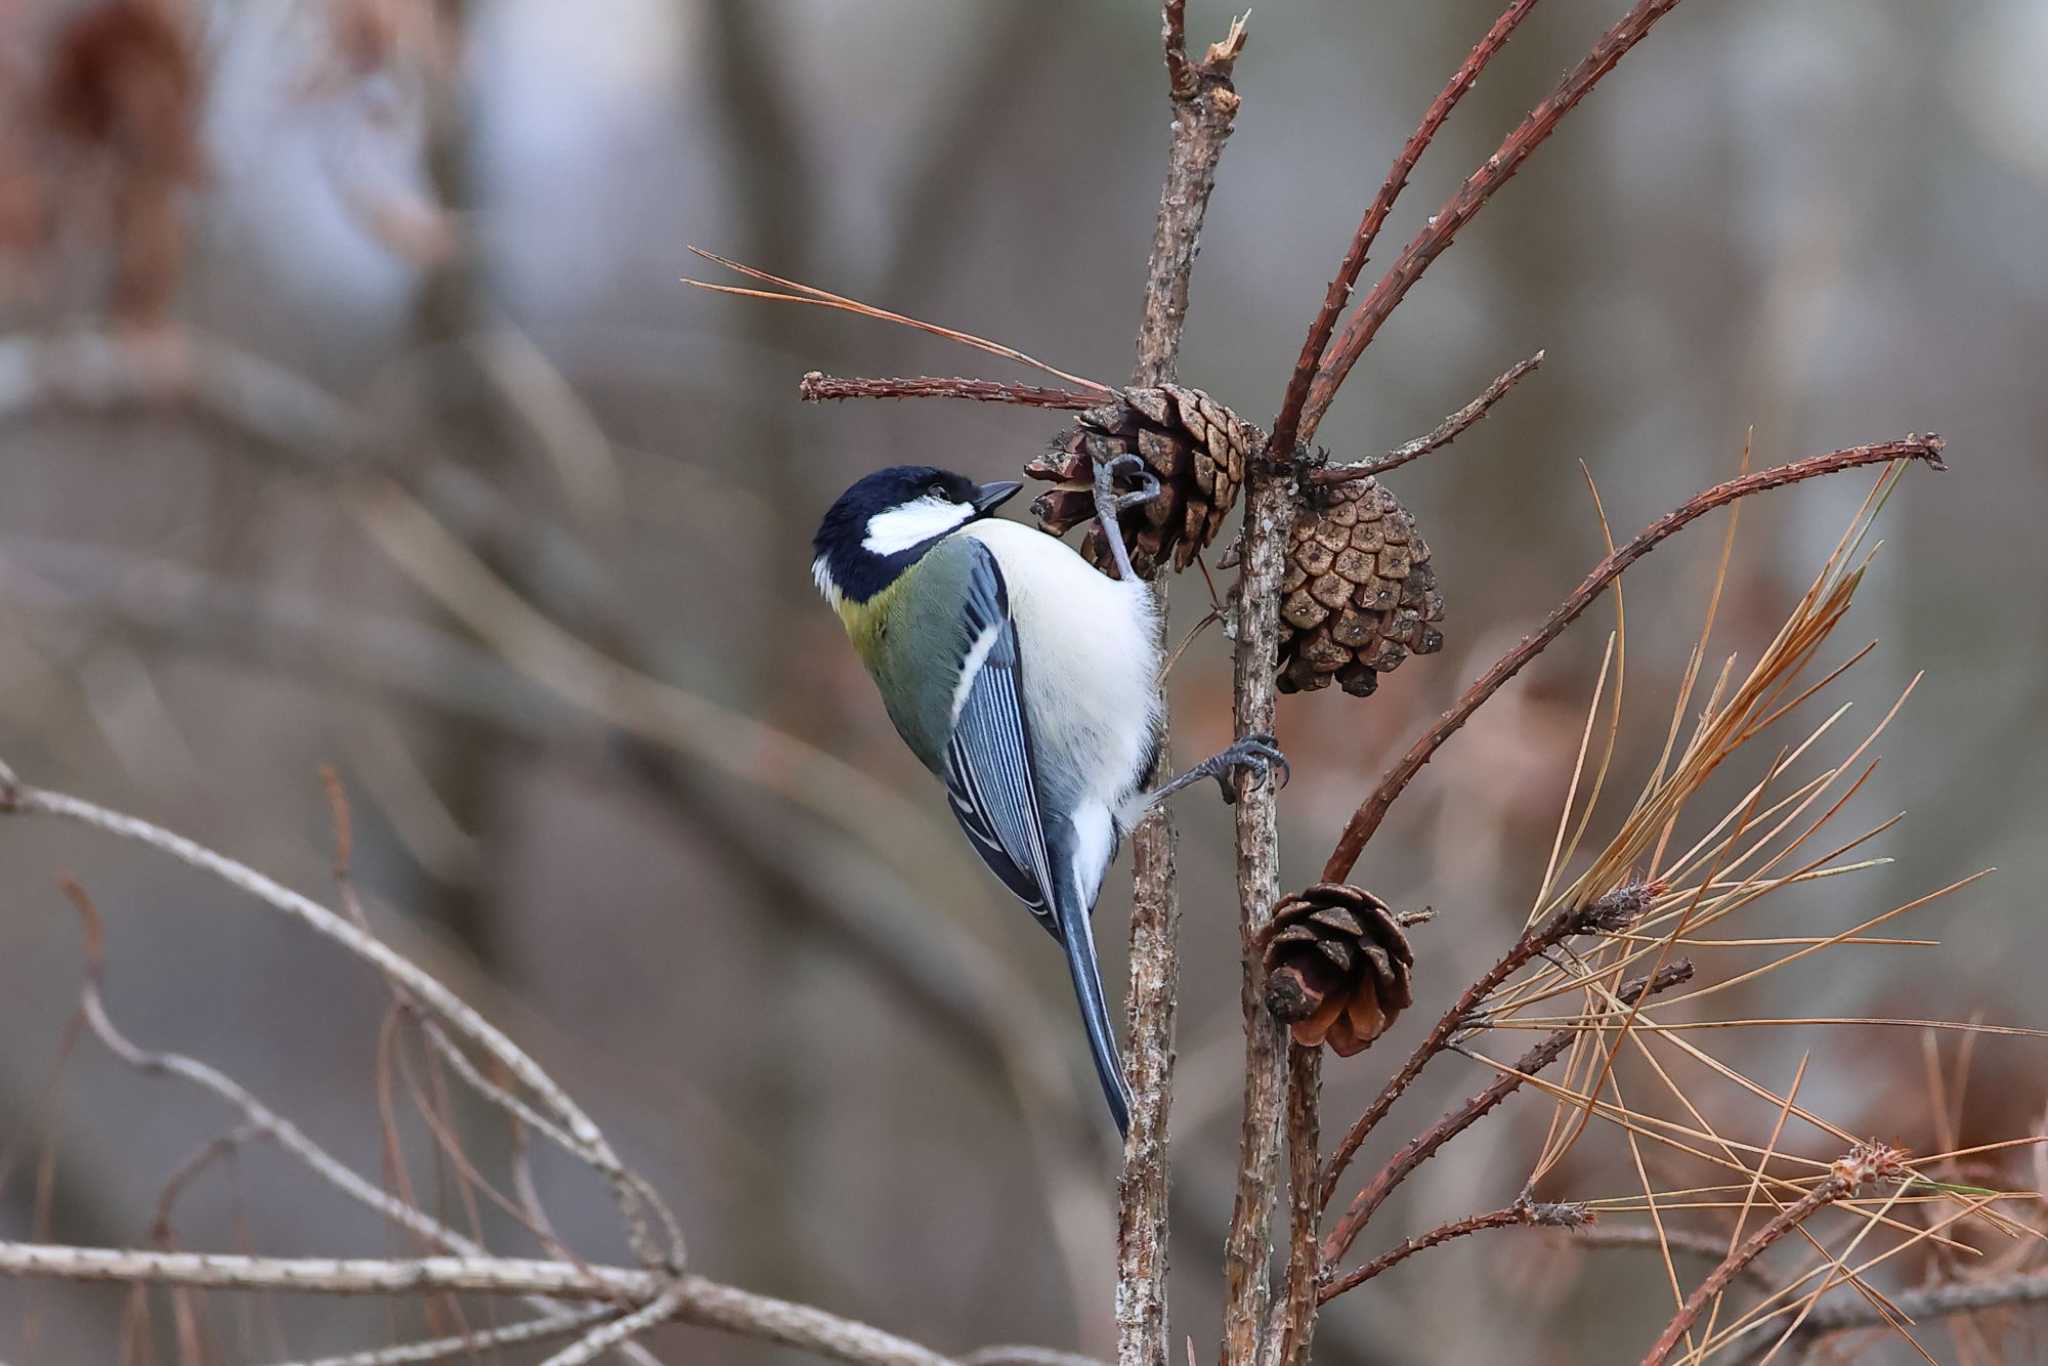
x=990, y=773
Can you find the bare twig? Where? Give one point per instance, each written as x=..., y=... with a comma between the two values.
x=1269, y=517
x=1445, y=432
x=811, y=294
x=464, y=1344
x=1867, y=1163
x=1014, y=1354
x=17, y=797
x=1287, y=426
x=1425, y=1145
x=1204, y=108
x=1523, y=1213
x=625, y=1328
x=1443, y=225
x=699, y=1301
x=1289, y=1333
x=1359, y=829
x=1962, y=1297
x=818, y=387
x=1624, y=1237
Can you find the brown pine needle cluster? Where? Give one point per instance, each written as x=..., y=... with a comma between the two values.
x=1757, y=1188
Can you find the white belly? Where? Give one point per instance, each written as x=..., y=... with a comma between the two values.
x=1091, y=667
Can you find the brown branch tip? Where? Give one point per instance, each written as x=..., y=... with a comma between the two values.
x=818, y=387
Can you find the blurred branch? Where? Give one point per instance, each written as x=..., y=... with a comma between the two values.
x=970, y=992
x=695, y=1299
x=1624, y=1238
x=98, y=372
x=1204, y=110
x=1287, y=428
x=1463, y=206
x=1938, y=1301
x=682, y=1297
x=817, y=387
x=466, y=1344
x=283, y=411
x=1425, y=1145
x=1366, y=820
x=1523, y=1214
x=19, y=798
x=1445, y=432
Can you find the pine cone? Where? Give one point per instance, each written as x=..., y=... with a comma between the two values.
x=1337, y=967
x=1196, y=447
x=1360, y=593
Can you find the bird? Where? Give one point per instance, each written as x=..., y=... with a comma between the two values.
x=1026, y=681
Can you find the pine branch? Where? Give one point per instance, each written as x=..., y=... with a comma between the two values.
x=1366, y=820
x=1204, y=109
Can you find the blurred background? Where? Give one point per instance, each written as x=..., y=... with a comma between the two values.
x=353, y=413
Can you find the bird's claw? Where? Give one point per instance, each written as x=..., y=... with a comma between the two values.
x=1257, y=754
x=1106, y=472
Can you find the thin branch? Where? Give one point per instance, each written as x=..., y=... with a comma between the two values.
x=1204, y=110
x=1867, y=1163
x=699, y=1301
x=18, y=797
x=1443, y=225
x=1614, y=911
x=482, y=1275
x=1425, y=1145
x=1359, y=829
x=1623, y=1237
x=1445, y=432
x=1291, y=1330
x=1963, y=1297
x=256, y=1115
x=1181, y=81
x=1523, y=1213
x=464, y=1344
x=818, y=387
x=811, y=294
x=1014, y=1354
x=1287, y=426
x=623, y=1329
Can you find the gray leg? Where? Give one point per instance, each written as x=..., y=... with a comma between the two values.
x=1258, y=753
x=1108, y=503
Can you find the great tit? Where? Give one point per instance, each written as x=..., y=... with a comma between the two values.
x=1025, y=680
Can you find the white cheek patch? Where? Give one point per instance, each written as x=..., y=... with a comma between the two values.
x=900, y=528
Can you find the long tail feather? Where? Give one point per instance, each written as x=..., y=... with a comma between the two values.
x=1077, y=934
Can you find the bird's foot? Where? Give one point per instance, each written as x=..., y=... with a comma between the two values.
x=1109, y=503
x=1257, y=754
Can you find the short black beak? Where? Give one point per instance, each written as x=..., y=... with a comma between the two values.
x=989, y=497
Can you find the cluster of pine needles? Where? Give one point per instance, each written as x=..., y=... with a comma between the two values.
x=1778, y=834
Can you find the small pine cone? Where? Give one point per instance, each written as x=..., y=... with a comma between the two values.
x=1359, y=594
x=1337, y=967
x=1196, y=447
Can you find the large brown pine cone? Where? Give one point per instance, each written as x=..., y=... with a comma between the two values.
x=1196, y=447
x=1360, y=594
x=1337, y=967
